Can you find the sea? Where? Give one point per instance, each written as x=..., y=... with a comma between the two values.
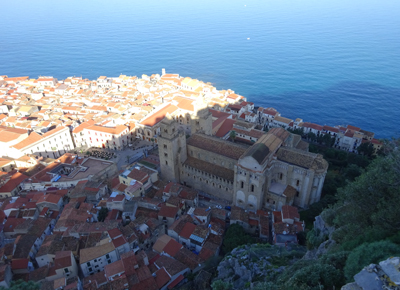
x=332, y=62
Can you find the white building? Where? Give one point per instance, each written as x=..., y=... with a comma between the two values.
x=93, y=260
x=51, y=144
x=107, y=137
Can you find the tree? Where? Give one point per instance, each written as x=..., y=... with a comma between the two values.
x=372, y=200
x=311, y=136
x=232, y=135
x=235, y=237
x=22, y=285
x=366, y=149
x=369, y=253
x=103, y=212
x=315, y=276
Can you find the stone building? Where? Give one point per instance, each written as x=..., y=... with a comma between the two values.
x=274, y=171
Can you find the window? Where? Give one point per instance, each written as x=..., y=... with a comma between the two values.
x=165, y=146
x=241, y=184
x=280, y=176
x=165, y=155
x=298, y=182
x=109, y=261
x=90, y=270
x=166, y=162
x=88, y=263
x=66, y=270
x=108, y=256
x=252, y=188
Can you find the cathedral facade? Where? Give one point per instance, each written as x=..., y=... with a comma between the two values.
x=274, y=171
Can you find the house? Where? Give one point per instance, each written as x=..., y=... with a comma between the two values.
x=171, y=248
x=94, y=259
x=64, y=266
x=116, y=201
x=175, y=229
x=121, y=244
x=173, y=267
x=93, y=191
x=198, y=237
x=285, y=226
x=202, y=214
x=185, y=233
x=115, y=138
x=168, y=214
x=13, y=185
x=51, y=201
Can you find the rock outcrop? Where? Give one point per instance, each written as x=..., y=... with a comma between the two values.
x=250, y=264
x=386, y=275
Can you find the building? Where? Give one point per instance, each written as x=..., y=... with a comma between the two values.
x=268, y=174
x=51, y=144
x=115, y=138
x=94, y=259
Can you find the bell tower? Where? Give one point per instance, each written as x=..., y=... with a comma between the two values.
x=171, y=149
x=202, y=119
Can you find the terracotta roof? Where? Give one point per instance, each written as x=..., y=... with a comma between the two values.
x=216, y=145
x=54, y=131
x=290, y=212
x=31, y=139
x=162, y=277
x=83, y=126
x=15, y=180
x=109, y=130
x=226, y=126
x=161, y=242
x=63, y=259
x=187, y=230
x=50, y=198
x=176, y=281
x=172, y=247
x=114, y=268
x=159, y=115
x=188, y=258
x=168, y=211
x=95, y=252
x=171, y=265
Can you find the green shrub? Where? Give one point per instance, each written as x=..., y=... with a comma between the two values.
x=369, y=253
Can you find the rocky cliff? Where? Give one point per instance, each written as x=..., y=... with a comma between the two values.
x=386, y=275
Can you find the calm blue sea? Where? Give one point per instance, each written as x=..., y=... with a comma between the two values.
x=326, y=61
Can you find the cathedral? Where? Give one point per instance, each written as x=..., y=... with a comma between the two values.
x=274, y=171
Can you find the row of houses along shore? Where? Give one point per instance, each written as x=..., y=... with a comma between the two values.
x=72, y=220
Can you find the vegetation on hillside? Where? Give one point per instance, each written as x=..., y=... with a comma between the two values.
x=235, y=236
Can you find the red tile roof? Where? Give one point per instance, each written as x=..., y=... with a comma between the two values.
x=172, y=247
x=187, y=230
x=168, y=211
x=13, y=182
x=50, y=198
x=162, y=277
x=175, y=282
x=159, y=115
x=290, y=212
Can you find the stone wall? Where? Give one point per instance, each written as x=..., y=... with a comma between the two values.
x=211, y=157
x=211, y=184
